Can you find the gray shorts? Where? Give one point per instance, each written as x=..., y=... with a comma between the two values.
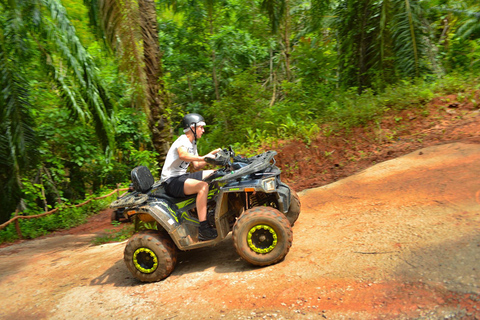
x=174, y=185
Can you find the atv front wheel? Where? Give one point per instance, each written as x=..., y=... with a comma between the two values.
x=150, y=255
x=262, y=236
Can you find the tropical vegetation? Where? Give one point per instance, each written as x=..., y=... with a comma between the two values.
x=90, y=89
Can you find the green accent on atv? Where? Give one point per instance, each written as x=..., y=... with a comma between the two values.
x=212, y=193
x=262, y=238
x=185, y=203
x=187, y=217
x=173, y=213
x=234, y=189
x=145, y=260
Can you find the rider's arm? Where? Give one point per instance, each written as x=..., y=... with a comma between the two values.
x=198, y=162
x=186, y=156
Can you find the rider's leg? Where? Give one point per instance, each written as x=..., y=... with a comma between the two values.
x=193, y=186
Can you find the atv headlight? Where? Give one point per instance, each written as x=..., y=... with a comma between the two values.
x=269, y=184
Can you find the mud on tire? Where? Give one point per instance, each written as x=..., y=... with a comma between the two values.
x=262, y=236
x=150, y=255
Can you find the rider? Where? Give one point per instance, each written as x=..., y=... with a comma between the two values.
x=178, y=183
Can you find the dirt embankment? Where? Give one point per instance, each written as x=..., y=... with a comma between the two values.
x=399, y=240
x=329, y=158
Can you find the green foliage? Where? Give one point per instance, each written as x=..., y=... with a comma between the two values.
x=316, y=59
x=44, y=67
x=352, y=109
x=115, y=236
x=242, y=108
x=464, y=55
x=145, y=158
x=66, y=217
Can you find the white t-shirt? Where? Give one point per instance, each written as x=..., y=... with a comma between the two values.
x=174, y=166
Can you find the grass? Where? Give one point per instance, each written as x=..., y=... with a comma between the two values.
x=348, y=109
x=115, y=235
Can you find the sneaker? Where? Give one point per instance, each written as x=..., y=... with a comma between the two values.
x=206, y=232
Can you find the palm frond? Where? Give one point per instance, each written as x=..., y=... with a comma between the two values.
x=118, y=22
x=18, y=135
x=407, y=34
x=18, y=139
x=355, y=37
x=471, y=27
x=384, y=33
x=62, y=34
x=467, y=13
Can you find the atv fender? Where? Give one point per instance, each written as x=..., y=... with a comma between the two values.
x=284, y=199
x=166, y=218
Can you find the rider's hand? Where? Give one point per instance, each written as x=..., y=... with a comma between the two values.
x=213, y=153
x=210, y=156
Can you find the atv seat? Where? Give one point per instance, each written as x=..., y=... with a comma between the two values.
x=158, y=191
x=142, y=179
x=177, y=200
x=143, y=182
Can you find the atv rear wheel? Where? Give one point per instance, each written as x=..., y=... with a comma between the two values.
x=295, y=206
x=262, y=236
x=150, y=255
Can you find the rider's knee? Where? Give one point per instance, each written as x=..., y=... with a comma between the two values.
x=203, y=186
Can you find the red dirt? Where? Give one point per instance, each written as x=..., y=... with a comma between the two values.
x=399, y=240
x=328, y=159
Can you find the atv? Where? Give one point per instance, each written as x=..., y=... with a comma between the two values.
x=246, y=196
x=118, y=214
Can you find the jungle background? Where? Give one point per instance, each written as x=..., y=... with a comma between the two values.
x=91, y=89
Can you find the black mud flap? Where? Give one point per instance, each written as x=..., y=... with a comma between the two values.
x=284, y=192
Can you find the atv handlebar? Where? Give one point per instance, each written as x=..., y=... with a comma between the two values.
x=238, y=166
x=222, y=158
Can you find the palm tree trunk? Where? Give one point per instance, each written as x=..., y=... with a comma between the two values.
x=362, y=47
x=287, y=41
x=214, y=76
x=157, y=120
x=211, y=19
x=413, y=35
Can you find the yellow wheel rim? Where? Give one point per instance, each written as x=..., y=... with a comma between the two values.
x=262, y=239
x=145, y=260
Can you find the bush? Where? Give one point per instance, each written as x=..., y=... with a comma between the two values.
x=65, y=218
x=243, y=107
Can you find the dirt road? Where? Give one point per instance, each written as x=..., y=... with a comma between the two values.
x=400, y=240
